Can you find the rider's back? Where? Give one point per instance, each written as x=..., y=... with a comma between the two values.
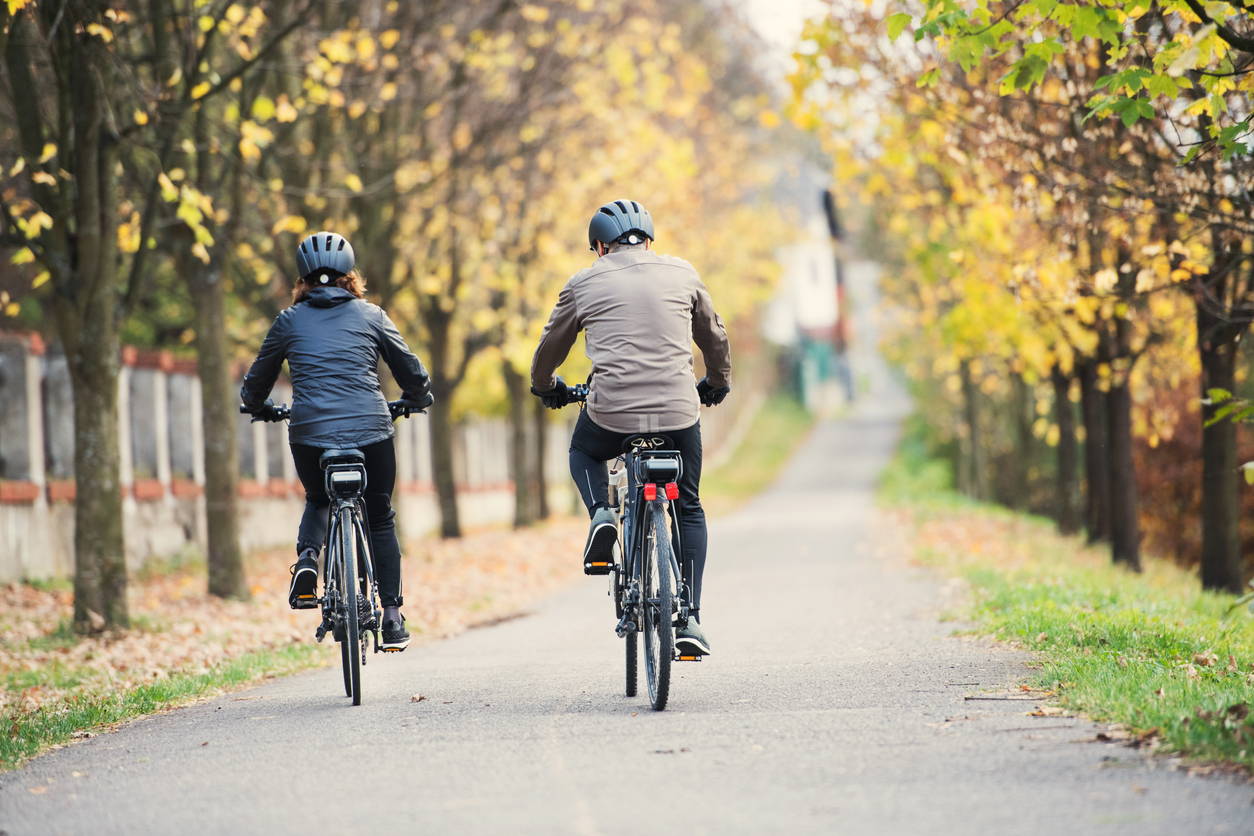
x=332, y=342
x=641, y=312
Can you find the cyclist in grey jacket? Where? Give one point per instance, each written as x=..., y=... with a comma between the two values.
x=640, y=313
x=332, y=340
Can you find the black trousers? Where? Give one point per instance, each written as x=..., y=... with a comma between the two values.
x=380, y=518
x=591, y=446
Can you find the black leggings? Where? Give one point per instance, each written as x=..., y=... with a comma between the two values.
x=380, y=518
x=591, y=446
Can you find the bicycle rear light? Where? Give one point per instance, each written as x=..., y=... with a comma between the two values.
x=650, y=491
x=672, y=490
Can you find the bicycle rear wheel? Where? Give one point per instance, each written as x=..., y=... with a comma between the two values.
x=657, y=603
x=352, y=625
x=632, y=653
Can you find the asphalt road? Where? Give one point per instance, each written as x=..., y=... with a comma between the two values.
x=834, y=703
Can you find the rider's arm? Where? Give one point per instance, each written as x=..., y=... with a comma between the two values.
x=559, y=335
x=265, y=369
x=711, y=337
x=408, y=370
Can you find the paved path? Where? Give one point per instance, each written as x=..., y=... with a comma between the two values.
x=834, y=704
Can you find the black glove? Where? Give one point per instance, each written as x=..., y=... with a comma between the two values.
x=409, y=406
x=265, y=412
x=709, y=395
x=555, y=398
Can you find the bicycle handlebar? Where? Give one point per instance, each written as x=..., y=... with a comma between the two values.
x=404, y=408
x=270, y=412
x=577, y=393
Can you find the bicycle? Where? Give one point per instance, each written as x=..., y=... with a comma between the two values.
x=646, y=571
x=347, y=563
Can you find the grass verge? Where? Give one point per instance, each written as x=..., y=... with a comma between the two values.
x=30, y=732
x=778, y=428
x=1149, y=651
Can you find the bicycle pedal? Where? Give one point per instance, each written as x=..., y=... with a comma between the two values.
x=306, y=602
x=598, y=567
x=689, y=658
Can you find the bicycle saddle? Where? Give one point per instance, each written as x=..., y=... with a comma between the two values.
x=648, y=441
x=346, y=456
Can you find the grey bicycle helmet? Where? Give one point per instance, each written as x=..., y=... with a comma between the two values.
x=324, y=253
x=616, y=221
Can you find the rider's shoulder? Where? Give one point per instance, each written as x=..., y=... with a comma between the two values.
x=673, y=261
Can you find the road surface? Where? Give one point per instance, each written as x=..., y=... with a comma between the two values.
x=834, y=703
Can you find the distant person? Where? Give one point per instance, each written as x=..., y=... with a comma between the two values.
x=332, y=340
x=640, y=312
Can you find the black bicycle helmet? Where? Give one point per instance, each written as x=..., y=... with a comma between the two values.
x=616, y=222
x=324, y=253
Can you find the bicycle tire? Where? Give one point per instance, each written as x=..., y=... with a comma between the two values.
x=632, y=656
x=657, y=604
x=352, y=625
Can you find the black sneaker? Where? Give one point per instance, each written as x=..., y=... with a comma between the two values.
x=598, y=555
x=303, y=594
x=395, y=636
x=691, y=641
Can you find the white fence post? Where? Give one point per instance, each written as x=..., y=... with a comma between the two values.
x=161, y=430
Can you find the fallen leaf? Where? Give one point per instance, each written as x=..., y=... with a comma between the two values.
x=417, y=698
x=1159, y=693
x=38, y=790
x=1041, y=637
x=206, y=743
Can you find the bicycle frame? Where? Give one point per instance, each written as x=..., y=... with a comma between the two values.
x=365, y=562
x=636, y=511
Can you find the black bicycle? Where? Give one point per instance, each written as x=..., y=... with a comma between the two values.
x=350, y=598
x=649, y=590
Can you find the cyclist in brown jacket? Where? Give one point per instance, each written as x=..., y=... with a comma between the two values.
x=640, y=312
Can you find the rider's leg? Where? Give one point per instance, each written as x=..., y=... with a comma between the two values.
x=313, y=524
x=591, y=446
x=692, y=530
x=313, y=528
x=381, y=519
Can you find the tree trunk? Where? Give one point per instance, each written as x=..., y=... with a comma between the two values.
x=1068, y=476
x=1093, y=405
x=99, y=550
x=1125, y=529
x=1024, y=413
x=224, y=559
x=520, y=449
x=1221, y=539
x=973, y=473
x=442, y=467
x=542, y=441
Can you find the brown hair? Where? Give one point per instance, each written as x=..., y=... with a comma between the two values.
x=354, y=282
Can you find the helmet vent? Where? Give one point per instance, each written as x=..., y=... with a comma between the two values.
x=341, y=246
x=605, y=211
x=314, y=239
x=635, y=206
x=621, y=205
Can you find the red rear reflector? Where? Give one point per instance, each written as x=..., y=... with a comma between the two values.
x=650, y=491
x=672, y=490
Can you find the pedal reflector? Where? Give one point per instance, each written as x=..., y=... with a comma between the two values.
x=690, y=658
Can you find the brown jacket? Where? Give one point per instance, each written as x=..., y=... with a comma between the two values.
x=641, y=313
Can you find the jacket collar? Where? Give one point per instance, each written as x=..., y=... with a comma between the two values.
x=328, y=297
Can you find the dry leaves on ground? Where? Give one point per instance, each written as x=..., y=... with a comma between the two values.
x=449, y=586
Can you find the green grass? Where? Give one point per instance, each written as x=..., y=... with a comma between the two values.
x=27, y=733
x=1150, y=651
x=778, y=428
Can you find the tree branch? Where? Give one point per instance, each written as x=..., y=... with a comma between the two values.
x=1227, y=33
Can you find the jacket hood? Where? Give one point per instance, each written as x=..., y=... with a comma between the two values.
x=328, y=297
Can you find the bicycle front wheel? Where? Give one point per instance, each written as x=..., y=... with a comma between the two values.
x=657, y=603
x=352, y=625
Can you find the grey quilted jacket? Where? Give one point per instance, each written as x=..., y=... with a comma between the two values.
x=332, y=342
